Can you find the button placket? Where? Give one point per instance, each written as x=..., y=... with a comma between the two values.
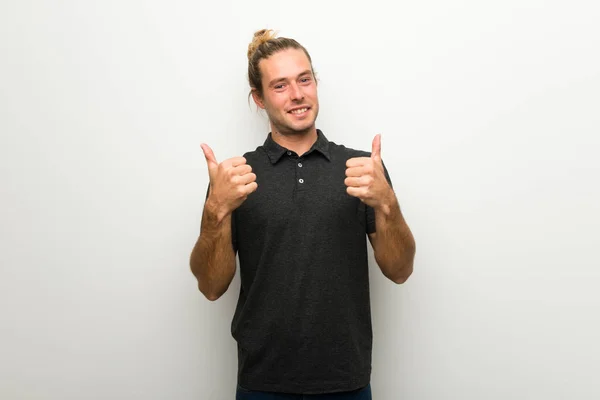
x=299, y=173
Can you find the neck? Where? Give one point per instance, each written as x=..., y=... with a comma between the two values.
x=299, y=142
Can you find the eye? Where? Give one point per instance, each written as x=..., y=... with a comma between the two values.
x=305, y=80
x=279, y=86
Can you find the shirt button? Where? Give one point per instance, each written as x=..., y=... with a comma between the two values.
x=301, y=180
x=289, y=153
x=300, y=164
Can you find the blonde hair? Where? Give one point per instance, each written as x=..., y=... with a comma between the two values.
x=264, y=44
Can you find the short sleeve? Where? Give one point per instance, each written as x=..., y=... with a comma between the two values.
x=369, y=211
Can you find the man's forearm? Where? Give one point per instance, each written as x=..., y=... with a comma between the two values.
x=213, y=260
x=393, y=242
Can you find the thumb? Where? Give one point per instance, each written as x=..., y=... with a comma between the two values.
x=211, y=160
x=376, y=152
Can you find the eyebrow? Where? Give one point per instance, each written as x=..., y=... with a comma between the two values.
x=277, y=80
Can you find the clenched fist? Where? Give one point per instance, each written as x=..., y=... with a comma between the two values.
x=365, y=178
x=230, y=181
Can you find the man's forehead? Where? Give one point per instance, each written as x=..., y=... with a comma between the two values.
x=285, y=63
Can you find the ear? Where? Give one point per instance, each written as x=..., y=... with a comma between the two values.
x=257, y=99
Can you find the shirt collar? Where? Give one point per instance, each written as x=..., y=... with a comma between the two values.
x=275, y=151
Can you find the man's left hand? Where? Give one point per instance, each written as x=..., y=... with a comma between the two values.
x=366, y=180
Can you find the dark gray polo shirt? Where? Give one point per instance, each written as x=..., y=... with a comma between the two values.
x=303, y=318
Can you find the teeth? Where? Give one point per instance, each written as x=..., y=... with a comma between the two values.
x=299, y=111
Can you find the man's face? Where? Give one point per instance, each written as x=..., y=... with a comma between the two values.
x=289, y=92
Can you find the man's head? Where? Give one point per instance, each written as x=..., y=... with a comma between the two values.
x=283, y=83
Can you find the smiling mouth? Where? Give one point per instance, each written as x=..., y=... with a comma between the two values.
x=299, y=111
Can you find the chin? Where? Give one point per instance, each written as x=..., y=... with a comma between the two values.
x=301, y=129
x=302, y=126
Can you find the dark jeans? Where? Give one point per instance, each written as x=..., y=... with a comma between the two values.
x=360, y=394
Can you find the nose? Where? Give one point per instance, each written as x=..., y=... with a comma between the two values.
x=296, y=92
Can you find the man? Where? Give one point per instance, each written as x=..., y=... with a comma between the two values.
x=298, y=211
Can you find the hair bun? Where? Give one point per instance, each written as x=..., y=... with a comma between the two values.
x=260, y=37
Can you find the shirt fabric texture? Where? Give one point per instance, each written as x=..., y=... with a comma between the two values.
x=303, y=319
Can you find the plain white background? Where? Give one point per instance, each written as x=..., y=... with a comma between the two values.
x=490, y=123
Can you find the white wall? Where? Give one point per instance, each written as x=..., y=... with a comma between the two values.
x=490, y=119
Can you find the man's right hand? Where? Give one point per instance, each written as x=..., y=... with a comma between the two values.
x=230, y=182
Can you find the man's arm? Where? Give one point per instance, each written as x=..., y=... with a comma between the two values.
x=213, y=258
x=393, y=242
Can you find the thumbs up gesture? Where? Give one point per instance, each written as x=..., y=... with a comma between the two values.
x=365, y=178
x=231, y=181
